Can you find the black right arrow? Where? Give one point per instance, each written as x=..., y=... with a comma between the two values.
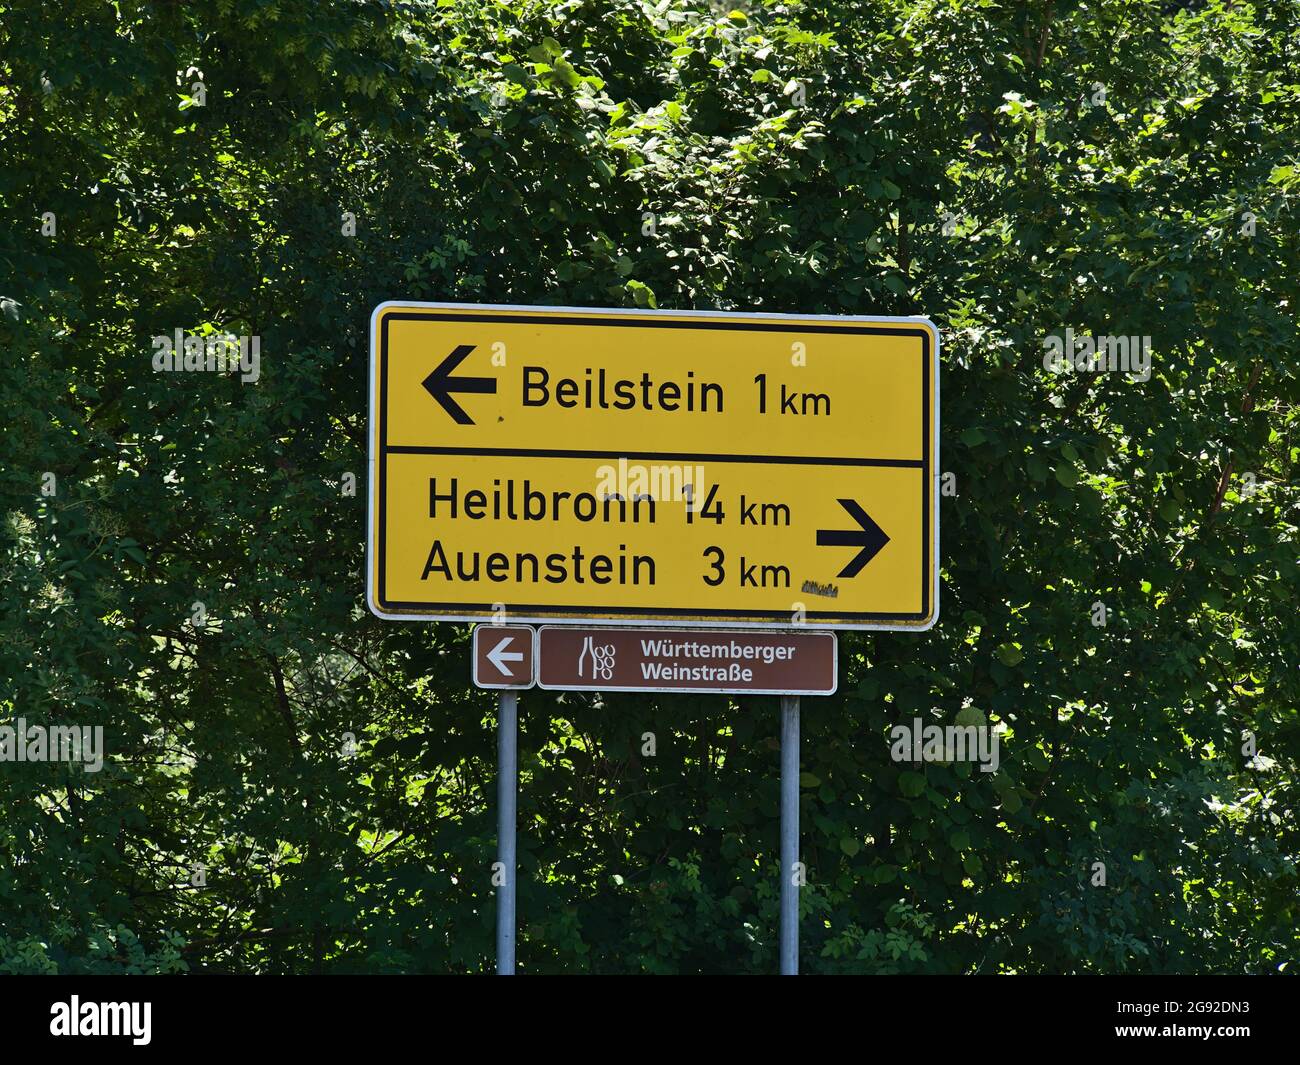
x=870, y=537
x=440, y=384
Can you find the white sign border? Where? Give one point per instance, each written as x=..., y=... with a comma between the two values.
x=637, y=621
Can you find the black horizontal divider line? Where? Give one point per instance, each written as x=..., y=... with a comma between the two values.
x=560, y=453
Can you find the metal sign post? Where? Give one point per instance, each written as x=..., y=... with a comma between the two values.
x=503, y=657
x=507, y=792
x=582, y=658
x=635, y=481
x=789, y=835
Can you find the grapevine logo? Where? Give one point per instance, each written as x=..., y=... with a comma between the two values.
x=601, y=660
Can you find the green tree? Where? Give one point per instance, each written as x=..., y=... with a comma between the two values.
x=296, y=786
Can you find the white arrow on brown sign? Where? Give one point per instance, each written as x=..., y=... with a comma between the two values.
x=504, y=656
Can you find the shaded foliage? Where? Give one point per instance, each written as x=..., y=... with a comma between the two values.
x=1009, y=169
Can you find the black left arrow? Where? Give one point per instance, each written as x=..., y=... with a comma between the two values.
x=870, y=537
x=440, y=384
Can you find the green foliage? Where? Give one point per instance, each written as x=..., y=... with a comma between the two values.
x=333, y=774
x=107, y=952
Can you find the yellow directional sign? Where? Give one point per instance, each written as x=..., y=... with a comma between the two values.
x=659, y=466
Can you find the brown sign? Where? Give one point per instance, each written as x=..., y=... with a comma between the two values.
x=686, y=660
x=503, y=656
